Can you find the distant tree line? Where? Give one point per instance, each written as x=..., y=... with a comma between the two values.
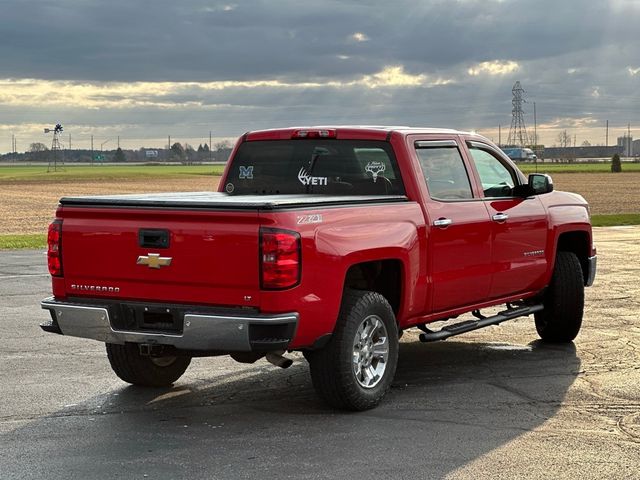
x=183, y=153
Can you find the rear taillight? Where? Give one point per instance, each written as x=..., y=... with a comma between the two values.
x=54, y=250
x=280, y=262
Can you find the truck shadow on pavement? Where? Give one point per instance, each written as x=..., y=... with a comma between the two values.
x=450, y=404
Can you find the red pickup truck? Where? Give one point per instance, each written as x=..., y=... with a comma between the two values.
x=330, y=241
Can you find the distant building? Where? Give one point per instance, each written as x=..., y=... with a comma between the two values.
x=571, y=153
x=635, y=148
x=626, y=142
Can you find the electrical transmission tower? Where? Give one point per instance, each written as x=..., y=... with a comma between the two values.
x=56, y=159
x=518, y=131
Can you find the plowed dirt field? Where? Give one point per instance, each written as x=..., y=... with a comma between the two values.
x=28, y=207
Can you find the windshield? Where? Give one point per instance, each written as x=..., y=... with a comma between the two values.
x=322, y=166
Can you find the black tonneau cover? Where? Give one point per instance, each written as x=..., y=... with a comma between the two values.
x=218, y=200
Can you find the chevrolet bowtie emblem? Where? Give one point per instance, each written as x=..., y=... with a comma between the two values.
x=154, y=260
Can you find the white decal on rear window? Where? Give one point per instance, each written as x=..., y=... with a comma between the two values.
x=375, y=168
x=246, y=172
x=307, y=179
x=229, y=187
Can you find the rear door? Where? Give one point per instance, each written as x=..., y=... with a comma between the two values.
x=518, y=225
x=459, y=238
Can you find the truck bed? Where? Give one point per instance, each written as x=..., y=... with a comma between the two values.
x=223, y=201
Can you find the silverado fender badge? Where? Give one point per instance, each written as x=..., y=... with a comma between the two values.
x=154, y=260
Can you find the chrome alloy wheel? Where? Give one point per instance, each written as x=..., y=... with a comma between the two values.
x=370, y=351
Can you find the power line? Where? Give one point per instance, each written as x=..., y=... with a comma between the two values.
x=518, y=131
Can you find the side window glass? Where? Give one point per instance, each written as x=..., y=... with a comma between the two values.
x=497, y=179
x=445, y=173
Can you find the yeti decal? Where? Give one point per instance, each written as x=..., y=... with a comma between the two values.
x=307, y=179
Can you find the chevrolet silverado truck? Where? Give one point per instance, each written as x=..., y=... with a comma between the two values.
x=328, y=241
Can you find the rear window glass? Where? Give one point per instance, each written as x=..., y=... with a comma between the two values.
x=319, y=166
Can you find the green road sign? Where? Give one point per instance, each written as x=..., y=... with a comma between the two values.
x=98, y=158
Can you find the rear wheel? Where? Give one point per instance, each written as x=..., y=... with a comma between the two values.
x=356, y=368
x=142, y=370
x=561, y=319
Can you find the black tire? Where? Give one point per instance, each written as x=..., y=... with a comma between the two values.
x=145, y=371
x=333, y=372
x=561, y=319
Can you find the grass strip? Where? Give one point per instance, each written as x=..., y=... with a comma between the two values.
x=23, y=241
x=576, y=167
x=615, y=219
x=104, y=172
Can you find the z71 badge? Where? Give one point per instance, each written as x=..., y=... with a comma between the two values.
x=308, y=219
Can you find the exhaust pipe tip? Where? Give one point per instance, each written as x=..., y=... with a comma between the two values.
x=276, y=358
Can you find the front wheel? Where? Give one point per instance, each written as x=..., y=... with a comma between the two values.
x=561, y=319
x=147, y=371
x=356, y=368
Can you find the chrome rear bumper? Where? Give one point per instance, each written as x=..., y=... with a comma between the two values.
x=225, y=332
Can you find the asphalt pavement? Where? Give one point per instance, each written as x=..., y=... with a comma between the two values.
x=495, y=403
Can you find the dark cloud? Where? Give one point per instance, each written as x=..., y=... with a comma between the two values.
x=574, y=59
x=201, y=41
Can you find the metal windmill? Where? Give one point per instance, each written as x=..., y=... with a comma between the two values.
x=518, y=131
x=56, y=159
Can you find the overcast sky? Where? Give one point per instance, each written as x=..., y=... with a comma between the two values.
x=147, y=69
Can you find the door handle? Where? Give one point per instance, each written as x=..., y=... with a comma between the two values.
x=442, y=222
x=500, y=217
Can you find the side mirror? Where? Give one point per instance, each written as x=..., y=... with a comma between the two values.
x=540, y=183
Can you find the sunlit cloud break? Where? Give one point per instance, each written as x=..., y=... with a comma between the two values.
x=494, y=67
x=26, y=92
x=359, y=37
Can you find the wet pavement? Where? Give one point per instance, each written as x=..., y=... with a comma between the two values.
x=495, y=403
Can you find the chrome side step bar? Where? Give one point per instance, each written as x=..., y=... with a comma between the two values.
x=470, y=325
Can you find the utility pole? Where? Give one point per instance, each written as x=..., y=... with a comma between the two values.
x=118, y=141
x=535, y=130
x=69, y=141
x=628, y=139
x=499, y=135
x=210, y=146
x=91, y=149
x=607, y=135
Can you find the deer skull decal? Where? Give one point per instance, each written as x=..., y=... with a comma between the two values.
x=375, y=169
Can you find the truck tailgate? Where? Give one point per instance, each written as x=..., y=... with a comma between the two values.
x=210, y=257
